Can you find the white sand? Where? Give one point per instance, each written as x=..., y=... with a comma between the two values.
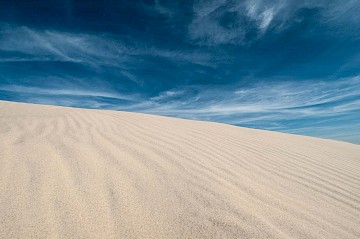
x=75, y=173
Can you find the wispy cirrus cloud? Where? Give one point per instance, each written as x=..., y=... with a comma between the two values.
x=239, y=22
x=104, y=51
x=268, y=105
x=267, y=96
x=94, y=50
x=55, y=92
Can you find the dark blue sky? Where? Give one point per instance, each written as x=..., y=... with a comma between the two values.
x=290, y=66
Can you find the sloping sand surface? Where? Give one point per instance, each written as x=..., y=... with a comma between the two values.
x=75, y=173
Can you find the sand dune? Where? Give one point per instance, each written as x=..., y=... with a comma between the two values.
x=75, y=173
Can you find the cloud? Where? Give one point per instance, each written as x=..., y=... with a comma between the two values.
x=160, y=8
x=168, y=95
x=206, y=29
x=260, y=103
x=27, y=45
x=95, y=50
x=54, y=92
x=102, y=52
x=248, y=20
x=262, y=12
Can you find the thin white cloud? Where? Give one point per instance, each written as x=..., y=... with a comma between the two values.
x=160, y=8
x=206, y=27
x=168, y=95
x=64, y=92
x=262, y=13
x=261, y=102
x=95, y=51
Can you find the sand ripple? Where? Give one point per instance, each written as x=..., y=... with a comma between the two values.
x=74, y=173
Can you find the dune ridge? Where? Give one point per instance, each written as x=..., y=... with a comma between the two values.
x=77, y=173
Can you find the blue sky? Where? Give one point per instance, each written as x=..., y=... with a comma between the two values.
x=289, y=66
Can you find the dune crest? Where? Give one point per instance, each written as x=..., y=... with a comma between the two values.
x=76, y=173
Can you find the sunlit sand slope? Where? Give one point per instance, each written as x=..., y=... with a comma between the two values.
x=75, y=173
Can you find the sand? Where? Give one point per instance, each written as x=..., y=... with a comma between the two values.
x=77, y=173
